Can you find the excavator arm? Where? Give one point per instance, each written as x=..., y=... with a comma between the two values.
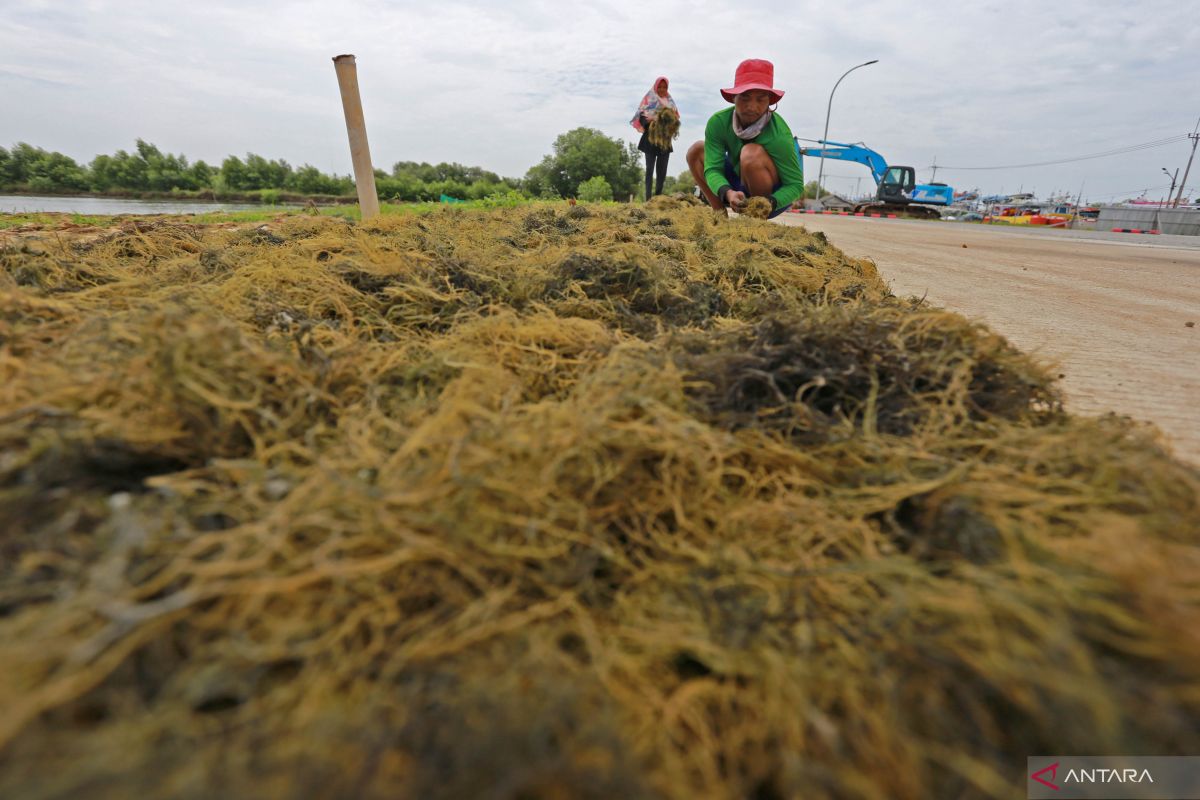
x=839, y=151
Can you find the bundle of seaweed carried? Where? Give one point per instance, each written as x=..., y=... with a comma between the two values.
x=557, y=502
x=664, y=129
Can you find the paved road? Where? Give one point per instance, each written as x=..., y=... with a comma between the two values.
x=1109, y=309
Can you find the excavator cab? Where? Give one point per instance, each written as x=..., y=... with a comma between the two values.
x=897, y=185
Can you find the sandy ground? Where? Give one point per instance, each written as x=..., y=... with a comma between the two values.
x=1110, y=310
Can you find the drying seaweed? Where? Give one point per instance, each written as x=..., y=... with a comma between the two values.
x=664, y=128
x=757, y=208
x=557, y=502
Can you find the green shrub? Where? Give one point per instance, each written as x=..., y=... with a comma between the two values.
x=506, y=199
x=595, y=190
x=684, y=183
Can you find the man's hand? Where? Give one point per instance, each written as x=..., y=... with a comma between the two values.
x=736, y=200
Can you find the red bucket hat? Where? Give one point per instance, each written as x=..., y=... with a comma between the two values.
x=753, y=73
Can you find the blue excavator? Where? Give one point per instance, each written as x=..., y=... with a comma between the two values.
x=898, y=192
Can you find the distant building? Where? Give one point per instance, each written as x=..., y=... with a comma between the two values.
x=831, y=202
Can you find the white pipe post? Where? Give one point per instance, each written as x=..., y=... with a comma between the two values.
x=356, y=129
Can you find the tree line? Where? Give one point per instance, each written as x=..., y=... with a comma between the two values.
x=584, y=163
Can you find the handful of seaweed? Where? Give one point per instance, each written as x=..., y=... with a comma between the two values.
x=757, y=208
x=552, y=502
x=664, y=128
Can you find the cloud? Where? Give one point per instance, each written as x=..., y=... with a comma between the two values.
x=494, y=84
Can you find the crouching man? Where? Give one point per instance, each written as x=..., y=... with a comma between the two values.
x=748, y=150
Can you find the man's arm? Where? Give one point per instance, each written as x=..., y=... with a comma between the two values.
x=714, y=156
x=787, y=163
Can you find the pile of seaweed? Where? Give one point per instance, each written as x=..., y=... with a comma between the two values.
x=555, y=502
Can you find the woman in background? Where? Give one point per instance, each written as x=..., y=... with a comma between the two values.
x=657, y=148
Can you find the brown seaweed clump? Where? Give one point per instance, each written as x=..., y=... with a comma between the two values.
x=757, y=208
x=550, y=502
x=664, y=129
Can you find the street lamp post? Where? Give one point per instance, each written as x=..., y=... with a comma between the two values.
x=1172, y=177
x=828, y=108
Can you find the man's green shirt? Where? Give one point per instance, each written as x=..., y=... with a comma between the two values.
x=776, y=139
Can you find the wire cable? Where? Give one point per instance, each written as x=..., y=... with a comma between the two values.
x=1142, y=189
x=1115, y=152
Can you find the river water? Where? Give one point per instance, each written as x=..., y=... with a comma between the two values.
x=110, y=205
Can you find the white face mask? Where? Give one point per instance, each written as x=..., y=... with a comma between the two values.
x=754, y=130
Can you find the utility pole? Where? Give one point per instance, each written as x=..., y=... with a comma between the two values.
x=1195, y=137
x=933, y=179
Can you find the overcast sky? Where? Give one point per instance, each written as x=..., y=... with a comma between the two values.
x=970, y=84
